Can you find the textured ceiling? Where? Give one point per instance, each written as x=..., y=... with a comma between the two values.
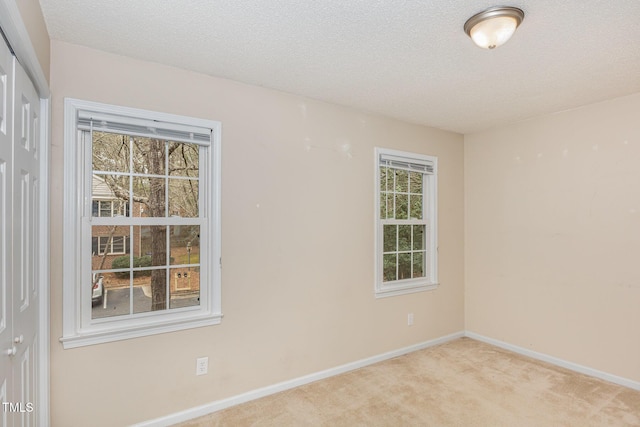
x=408, y=59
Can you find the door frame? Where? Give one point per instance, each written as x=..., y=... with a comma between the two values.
x=19, y=41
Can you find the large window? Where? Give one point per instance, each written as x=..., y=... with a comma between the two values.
x=406, y=226
x=141, y=220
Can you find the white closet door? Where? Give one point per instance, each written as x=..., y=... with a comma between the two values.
x=26, y=194
x=6, y=212
x=19, y=213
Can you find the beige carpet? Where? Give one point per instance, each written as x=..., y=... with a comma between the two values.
x=460, y=383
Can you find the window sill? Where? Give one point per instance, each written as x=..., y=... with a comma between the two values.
x=82, y=339
x=392, y=291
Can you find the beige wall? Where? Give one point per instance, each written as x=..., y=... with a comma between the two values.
x=297, y=245
x=34, y=22
x=552, y=239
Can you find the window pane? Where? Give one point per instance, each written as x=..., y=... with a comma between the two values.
x=418, y=264
x=383, y=178
x=185, y=287
x=183, y=159
x=110, y=295
x=141, y=292
x=110, y=152
x=404, y=266
x=390, y=238
x=158, y=289
x=183, y=198
x=415, y=182
x=157, y=245
x=415, y=201
x=107, y=240
x=390, y=206
x=142, y=242
x=389, y=268
x=402, y=202
x=185, y=244
x=402, y=181
x=109, y=194
x=404, y=238
x=149, y=245
x=383, y=206
x=152, y=192
x=149, y=156
x=418, y=237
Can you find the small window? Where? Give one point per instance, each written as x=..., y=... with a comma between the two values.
x=142, y=219
x=108, y=245
x=406, y=226
x=108, y=208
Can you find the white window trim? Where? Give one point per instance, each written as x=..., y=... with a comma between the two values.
x=407, y=286
x=77, y=333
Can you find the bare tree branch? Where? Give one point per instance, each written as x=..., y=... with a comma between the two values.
x=112, y=231
x=122, y=193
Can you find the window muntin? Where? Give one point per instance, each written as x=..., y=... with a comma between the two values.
x=405, y=222
x=150, y=182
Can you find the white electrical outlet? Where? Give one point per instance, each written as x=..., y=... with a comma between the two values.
x=409, y=319
x=202, y=365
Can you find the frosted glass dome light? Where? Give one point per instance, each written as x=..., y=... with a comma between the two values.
x=494, y=26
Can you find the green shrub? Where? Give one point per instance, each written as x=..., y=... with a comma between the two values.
x=123, y=262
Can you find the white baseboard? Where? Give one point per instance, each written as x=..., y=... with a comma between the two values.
x=556, y=361
x=218, y=405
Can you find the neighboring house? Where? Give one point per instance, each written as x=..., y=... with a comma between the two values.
x=107, y=204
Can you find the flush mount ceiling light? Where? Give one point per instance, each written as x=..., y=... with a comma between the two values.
x=494, y=26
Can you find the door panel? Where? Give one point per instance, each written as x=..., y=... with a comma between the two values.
x=25, y=419
x=6, y=212
x=25, y=219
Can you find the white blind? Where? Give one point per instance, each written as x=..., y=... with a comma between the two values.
x=412, y=165
x=101, y=122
